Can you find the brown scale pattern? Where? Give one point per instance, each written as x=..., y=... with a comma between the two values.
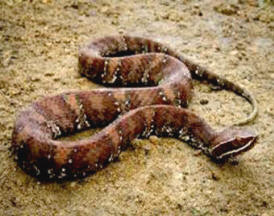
x=158, y=82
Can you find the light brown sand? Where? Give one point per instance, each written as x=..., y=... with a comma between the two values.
x=39, y=42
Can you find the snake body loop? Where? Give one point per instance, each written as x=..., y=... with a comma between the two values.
x=155, y=85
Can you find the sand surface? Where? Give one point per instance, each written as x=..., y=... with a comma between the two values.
x=39, y=42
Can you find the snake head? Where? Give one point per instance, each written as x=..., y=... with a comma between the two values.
x=231, y=142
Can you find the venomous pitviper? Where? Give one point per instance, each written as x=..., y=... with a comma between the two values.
x=158, y=82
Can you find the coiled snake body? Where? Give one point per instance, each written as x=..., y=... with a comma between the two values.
x=153, y=108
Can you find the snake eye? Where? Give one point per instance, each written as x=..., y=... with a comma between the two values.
x=232, y=142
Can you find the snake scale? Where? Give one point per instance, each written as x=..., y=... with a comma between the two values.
x=155, y=85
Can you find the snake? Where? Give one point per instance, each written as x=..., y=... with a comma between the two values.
x=147, y=88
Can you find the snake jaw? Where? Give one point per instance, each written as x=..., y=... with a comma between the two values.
x=232, y=142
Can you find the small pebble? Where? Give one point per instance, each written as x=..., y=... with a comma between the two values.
x=154, y=139
x=215, y=177
x=197, y=152
x=203, y=101
x=72, y=184
x=147, y=149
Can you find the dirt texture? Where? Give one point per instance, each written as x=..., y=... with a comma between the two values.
x=39, y=42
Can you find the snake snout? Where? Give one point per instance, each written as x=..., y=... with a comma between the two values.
x=232, y=142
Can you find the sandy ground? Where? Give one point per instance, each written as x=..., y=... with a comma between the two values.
x=39, y=42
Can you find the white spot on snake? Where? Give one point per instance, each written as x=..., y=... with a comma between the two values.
x=164, y=59
x=158, y=48
x=164, y=49
x=50, y=171
x=147, y=131
x=179, y=102
x=54, y=129
x=106, y=66
x=103, y=75
x=87, y=123
x=58, y=131
x=144, y=48
x=169, y=130
x=182, y=133
x=110, y=159
x=114, y=78
x=186, y=138
x=117, y=69
x=119, y=150
x=164, y=98
x=127, y=103
x=117, y=104
x=51, y=176
x=62, y=175
x=198, y=72
x=220, y=81
x=37, y=170
x=79, y=126
x=125, y=47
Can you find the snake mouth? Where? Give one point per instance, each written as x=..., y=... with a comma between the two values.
x=231, y=142
x=237, y=151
